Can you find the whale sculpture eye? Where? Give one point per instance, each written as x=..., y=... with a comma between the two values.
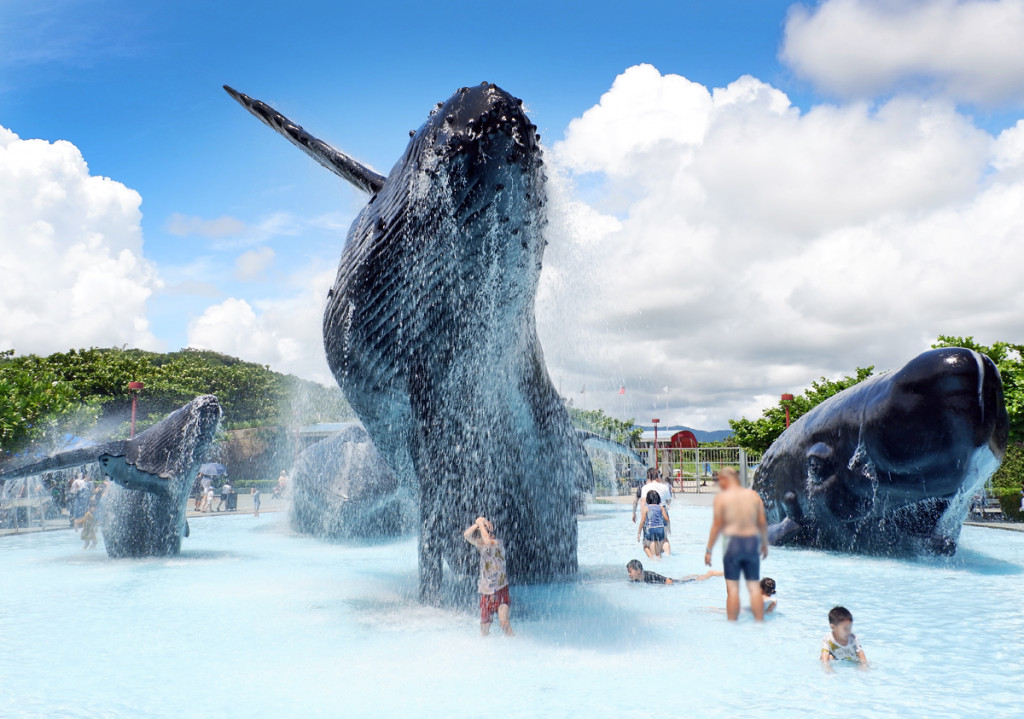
x=820, y=463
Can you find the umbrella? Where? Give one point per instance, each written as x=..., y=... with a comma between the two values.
x=213, y=469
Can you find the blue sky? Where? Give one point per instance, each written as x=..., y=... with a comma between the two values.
x=136, y=88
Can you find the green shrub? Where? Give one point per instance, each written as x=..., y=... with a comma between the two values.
x=1006, y=482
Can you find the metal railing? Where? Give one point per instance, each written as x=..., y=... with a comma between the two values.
x=690, y=470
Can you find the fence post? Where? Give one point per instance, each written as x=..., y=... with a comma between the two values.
x=744, y=480
x=697, y=468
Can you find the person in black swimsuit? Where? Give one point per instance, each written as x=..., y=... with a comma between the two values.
x=739, y=514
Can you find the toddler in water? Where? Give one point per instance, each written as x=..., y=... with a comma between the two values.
x=637, y=573
x=89, y=528
x=493, y=584
x=768, y=591
x=841, y=643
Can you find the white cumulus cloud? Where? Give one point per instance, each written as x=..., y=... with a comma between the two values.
x=72, y=270
x=754, y=247
x=284, y=333
x=970, y=50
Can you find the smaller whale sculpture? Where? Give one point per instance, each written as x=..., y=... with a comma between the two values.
x=143, y=515
x=889, y=466
x=343, y=489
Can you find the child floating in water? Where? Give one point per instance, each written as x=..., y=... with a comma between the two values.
x=841, y=643
x=493, y=583
x=637, y=573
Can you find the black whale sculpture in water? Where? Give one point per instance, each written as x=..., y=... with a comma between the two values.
x=430, y=332
x=144, y=512
x=889, y=465
x=342, y=488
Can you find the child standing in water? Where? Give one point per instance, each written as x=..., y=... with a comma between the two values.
x=89, y=528
x=493, y=583
x=841, y=643
x=653, y=518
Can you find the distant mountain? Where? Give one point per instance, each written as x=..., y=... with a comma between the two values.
x=702, y=435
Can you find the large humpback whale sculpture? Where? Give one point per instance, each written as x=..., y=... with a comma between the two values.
x=430, y=331
x=889, y=465
x=343, y=489
x=144, y=513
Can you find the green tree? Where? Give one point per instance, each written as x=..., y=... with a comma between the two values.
x=69, y=392
x=758, y=434
x=38, y=407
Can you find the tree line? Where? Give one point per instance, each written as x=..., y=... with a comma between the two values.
x=84, y=392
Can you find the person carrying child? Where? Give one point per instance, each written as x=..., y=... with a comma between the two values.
x=493, y=584
x=840, y=644
x=653, y=518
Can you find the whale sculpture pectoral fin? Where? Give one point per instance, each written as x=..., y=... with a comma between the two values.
x=63, y=460
x=587, y=437
x=131, y=477
x=337, y=162
x=778, y=533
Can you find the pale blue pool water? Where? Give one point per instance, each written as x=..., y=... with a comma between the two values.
x=253, y=621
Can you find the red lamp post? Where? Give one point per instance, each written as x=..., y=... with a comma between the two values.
x=787, y=398
x=134, y=388
x=655, y=423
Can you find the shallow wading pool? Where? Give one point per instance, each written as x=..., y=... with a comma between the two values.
x=254, y=621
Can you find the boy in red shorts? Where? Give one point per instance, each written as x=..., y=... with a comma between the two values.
x=493, y=582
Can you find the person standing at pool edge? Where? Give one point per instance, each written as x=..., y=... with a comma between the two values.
x=493, y=583
x=739, y=514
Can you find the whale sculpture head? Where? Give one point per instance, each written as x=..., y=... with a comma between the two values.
x=165, y=458
x=889, y=466
x=480, y=148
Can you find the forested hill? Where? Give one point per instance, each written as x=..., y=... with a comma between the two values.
x=46, y=400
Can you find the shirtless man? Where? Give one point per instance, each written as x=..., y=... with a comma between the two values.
x=740, y=513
